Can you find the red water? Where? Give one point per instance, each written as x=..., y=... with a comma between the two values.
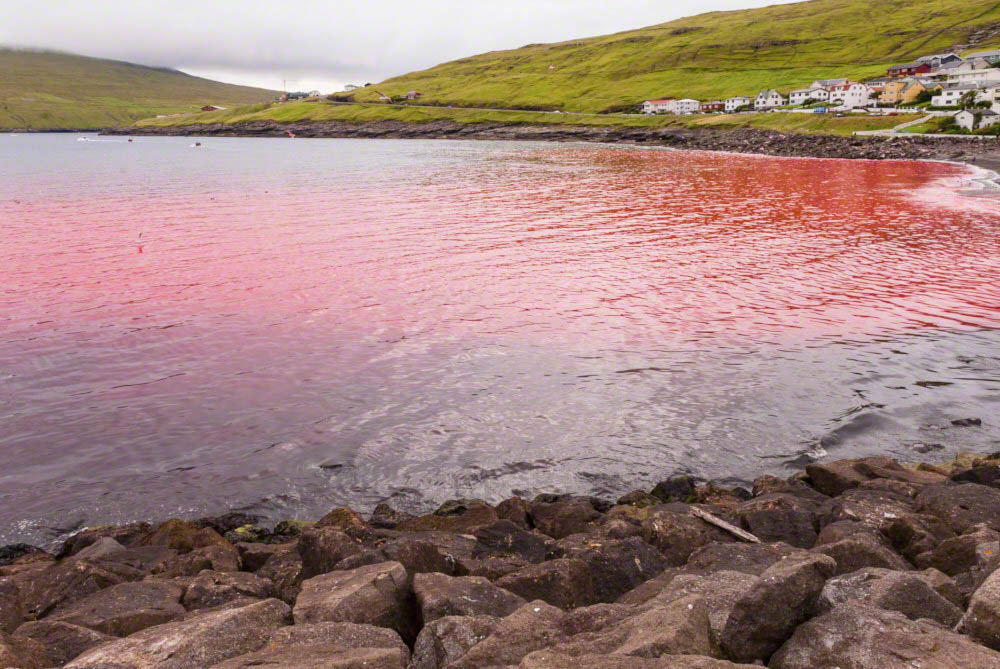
x=186, y=293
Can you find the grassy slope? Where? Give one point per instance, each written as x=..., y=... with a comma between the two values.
x=706, y=57
x=361, y=113
x=45, y=90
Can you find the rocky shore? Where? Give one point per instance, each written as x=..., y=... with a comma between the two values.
x=851, y=564
x=765, y=142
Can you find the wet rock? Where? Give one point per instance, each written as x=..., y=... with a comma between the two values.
x=615, y=567
x=833, y=478
x=125, y=609
x=446, y=640
x=321, y=548
x=249, y=534
x=227, y=522
x=771, y=484
x=439, y=596
x=373, y=595
x=639, y=498
x=970, y=551
x=983, y=474
x=906, y=592
x=200, y=641
x=347, y=521
x=967, y=422
x=780, y=517
x=284, y=570
x=913, y=534
x=213, y=588
x=784, y=597
x=459, y=519
x=22, y=652
x=505, y=537
x=677, y=534
x=563, y=517
x=103, y=547
x=255, y=555
x=345, y=635
x=675, y=489
x=217, y=557
x=961, y=507
x=180, y=536
x=944, y=586
x=982, y=622
x=516, y=510
x=566, y=583
x=387, y=518
x=287, y=530
x=13, y=552
x=125, y=535
x=860, y=550
x=12, y=611
x=532, y=627
x=857, y=636
x=62, y=641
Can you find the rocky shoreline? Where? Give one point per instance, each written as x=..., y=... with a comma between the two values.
x=766, y=142
x=851, y=564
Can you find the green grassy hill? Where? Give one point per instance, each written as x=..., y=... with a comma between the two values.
x=46, y=90
x=709, y=56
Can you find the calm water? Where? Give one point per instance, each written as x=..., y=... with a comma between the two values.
x=284, y=326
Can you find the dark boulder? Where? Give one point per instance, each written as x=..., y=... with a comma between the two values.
x=212, y=588
x=125, y=535
x=284, y=570
x=12, y=611
x=565, y=583
x=961, y=506
x=439, y=596
x=446, y=640
x=516, y=510
x=677, y=533
x=780, y=517
x=615, y=566
x=982, y=622
x=125, y=609
x=675, y=489
x=321, y=548
x=784, y=597
x=908, y=593
x=564, y=516
x=532, y=627
x=62, y=641
x=22, y=652
x=504, y=537
x=860, y=550
x=386, y=518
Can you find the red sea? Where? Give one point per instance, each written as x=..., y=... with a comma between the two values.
x=284, y=326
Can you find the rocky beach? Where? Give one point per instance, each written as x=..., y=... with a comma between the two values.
x=851, y=564
x=984, y=152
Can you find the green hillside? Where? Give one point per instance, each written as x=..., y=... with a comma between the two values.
x=46, y=90
x=709, y=56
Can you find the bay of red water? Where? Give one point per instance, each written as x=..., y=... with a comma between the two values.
x=287, y=325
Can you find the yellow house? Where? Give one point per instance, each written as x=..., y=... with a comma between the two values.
x=906, y=90
x=892, y=94
x=917, y=86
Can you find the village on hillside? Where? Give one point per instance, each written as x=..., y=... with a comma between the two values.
x=968, y=86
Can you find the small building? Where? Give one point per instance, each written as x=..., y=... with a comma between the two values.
x=208, y=108
x=713, y=106
x=909, y=70
x=315, y=94
x=993, y=57
x=951, y=94
x=976, y=120
x=816, y=94
x=298, y=95
x=351, y=87
x=988, y=74
x=851, y=95
x=687, y=106
x=664, y=106
x=732, y=104
x=768, y=99
x=414, y=95
x=828, y=83
x=939, y=59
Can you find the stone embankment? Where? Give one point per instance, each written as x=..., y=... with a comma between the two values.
x=851, y=564
x=744, y=140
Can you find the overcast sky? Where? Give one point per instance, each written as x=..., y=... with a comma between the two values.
x=320, y=44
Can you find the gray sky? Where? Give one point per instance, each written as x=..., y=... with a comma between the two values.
x=320, y=44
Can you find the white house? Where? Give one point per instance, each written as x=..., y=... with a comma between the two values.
x=989, y=74
x=828, y=83
x=851, y=94
x=952, y=94
x=993, y=57
x=658, y=106
x=687, y=106
x=768, y=99
x=976, y=120
x=732, y=104
x=351, y=87
x=803, y=94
